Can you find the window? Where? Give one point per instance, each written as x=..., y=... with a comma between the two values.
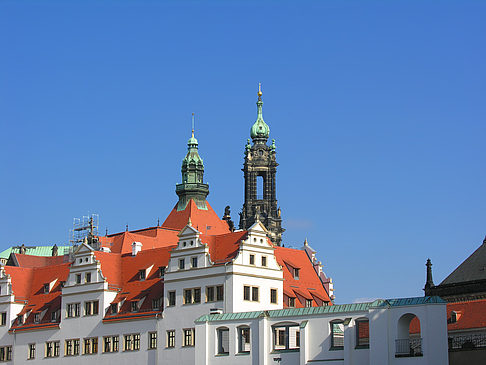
x=131, y=342
x=3, y=318
x=71, y=347
x=110, y=343
x=114, y=308
x=91, y=345
x=188, y=337
x=182, y=264
x=37, y=317
x=171, y=338
x=152, y=340
x=296, y=274
x=20, y=319
x=192, y=296
x=172, y=298
x=246, y=293
x=161, y=271
x=31, y=354
x=254, y=294
x=291, y=302
x=264, y=261
x=243, y=340
x=142, y=274
x=252, y=259
x=156, y=303
x=362, y=333
x=337, y=335
x=308, y=302
x=134, y=306
x=55, y=315
x=52, y=349
x=223, y=341
x=78, y=278
x=273, y=296
x=194, y=261
x=46, y=288
x=214, y=293
x=6, y=353
x=91, y=308
x=87, y=277
x=286, y=337
x=73, y=310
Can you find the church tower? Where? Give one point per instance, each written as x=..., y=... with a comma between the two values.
x=192, y=186
x=260, y=171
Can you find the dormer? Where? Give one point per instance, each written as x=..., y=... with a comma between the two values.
x=257, y=235
x=188, y=237
x=49, y=286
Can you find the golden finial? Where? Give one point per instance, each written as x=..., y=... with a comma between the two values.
x=260, y=89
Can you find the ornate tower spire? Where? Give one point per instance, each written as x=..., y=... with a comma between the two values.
x=429, y=283
x=260, y=164
x=192, y=186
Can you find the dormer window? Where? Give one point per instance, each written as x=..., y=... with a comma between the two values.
x=142, y=274
x=63, y=283
x=296, y=274
x=156, y=303
x=20, y=319
x=114, y=308
x=291, y=302
x=55, y=316
x=134, y=306
x=36, y=317
x=46, y=288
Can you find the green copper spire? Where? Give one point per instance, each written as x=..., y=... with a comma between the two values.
x=260, y=130
x=192, y=186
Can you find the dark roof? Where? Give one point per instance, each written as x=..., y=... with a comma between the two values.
x=473, y=268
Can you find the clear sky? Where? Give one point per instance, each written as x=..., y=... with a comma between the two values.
x=377, y=107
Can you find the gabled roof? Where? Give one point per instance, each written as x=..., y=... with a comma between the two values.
x=223, y=248
x=473, y=268
x=471, y=314
x=18, y=259
x=154, y=237
x=204, y=220
x=309, y=285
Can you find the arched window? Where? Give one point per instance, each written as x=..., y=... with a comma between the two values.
x=223, y=340
x=244, y=344
x=409, y=340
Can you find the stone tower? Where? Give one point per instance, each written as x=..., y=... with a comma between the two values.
x=260, y=196
x=192, y=186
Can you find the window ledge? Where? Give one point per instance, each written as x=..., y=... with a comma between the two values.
x=336, y=348
x=286, y=350
x=247, y=353
x=222, y=355
x=360, y=347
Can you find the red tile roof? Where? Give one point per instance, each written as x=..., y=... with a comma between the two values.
x=223, y=248
x=37, y=261
x=472, y=314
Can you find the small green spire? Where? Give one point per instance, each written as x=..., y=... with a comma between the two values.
x=260, y=130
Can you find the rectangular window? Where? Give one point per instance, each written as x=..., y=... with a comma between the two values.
x=52, y=349
x=156, y=303
x=362, y=333
x=90, y=345
x=73, y=310
x=264, y=261
x=246, y=292
x=291, y=302
x=152, y=340
x=194, y=261
x=55, y=315
x=131, y=342
x=254, y=294
x=91, y=308
x=192, y=296
x=71, y=347
x=78, y=278
x=3, y=318
x=286, y=337
x=188, y=337
x=110, y=344
x=161, y=271
x=31, y=354
x=172, y=298
x=220, y=292
x=337, y=335
x=182, y=264
x=244, y=340
x=308, y=302
x=46, y=288
x=134, y=306
x=171, y=338
x=114, y=308
x=210, y=294
x=6, y=353
x=223, y=341
x=296, y=274
x=37, y=317
x=273, y=296
x=20, y=319
x=142, y=274
x=252, y=259
x=87, y=277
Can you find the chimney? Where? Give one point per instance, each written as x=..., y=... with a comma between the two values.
x=136, y=248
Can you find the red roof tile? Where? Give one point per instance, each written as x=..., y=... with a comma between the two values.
x=472, y=315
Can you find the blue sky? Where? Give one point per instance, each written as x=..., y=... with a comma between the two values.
x=377, y=108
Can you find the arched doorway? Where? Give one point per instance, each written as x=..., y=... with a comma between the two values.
x=409, y=339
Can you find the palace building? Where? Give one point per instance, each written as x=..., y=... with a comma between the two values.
x=193, y=290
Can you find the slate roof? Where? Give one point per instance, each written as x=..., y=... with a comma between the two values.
x=473, y=268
